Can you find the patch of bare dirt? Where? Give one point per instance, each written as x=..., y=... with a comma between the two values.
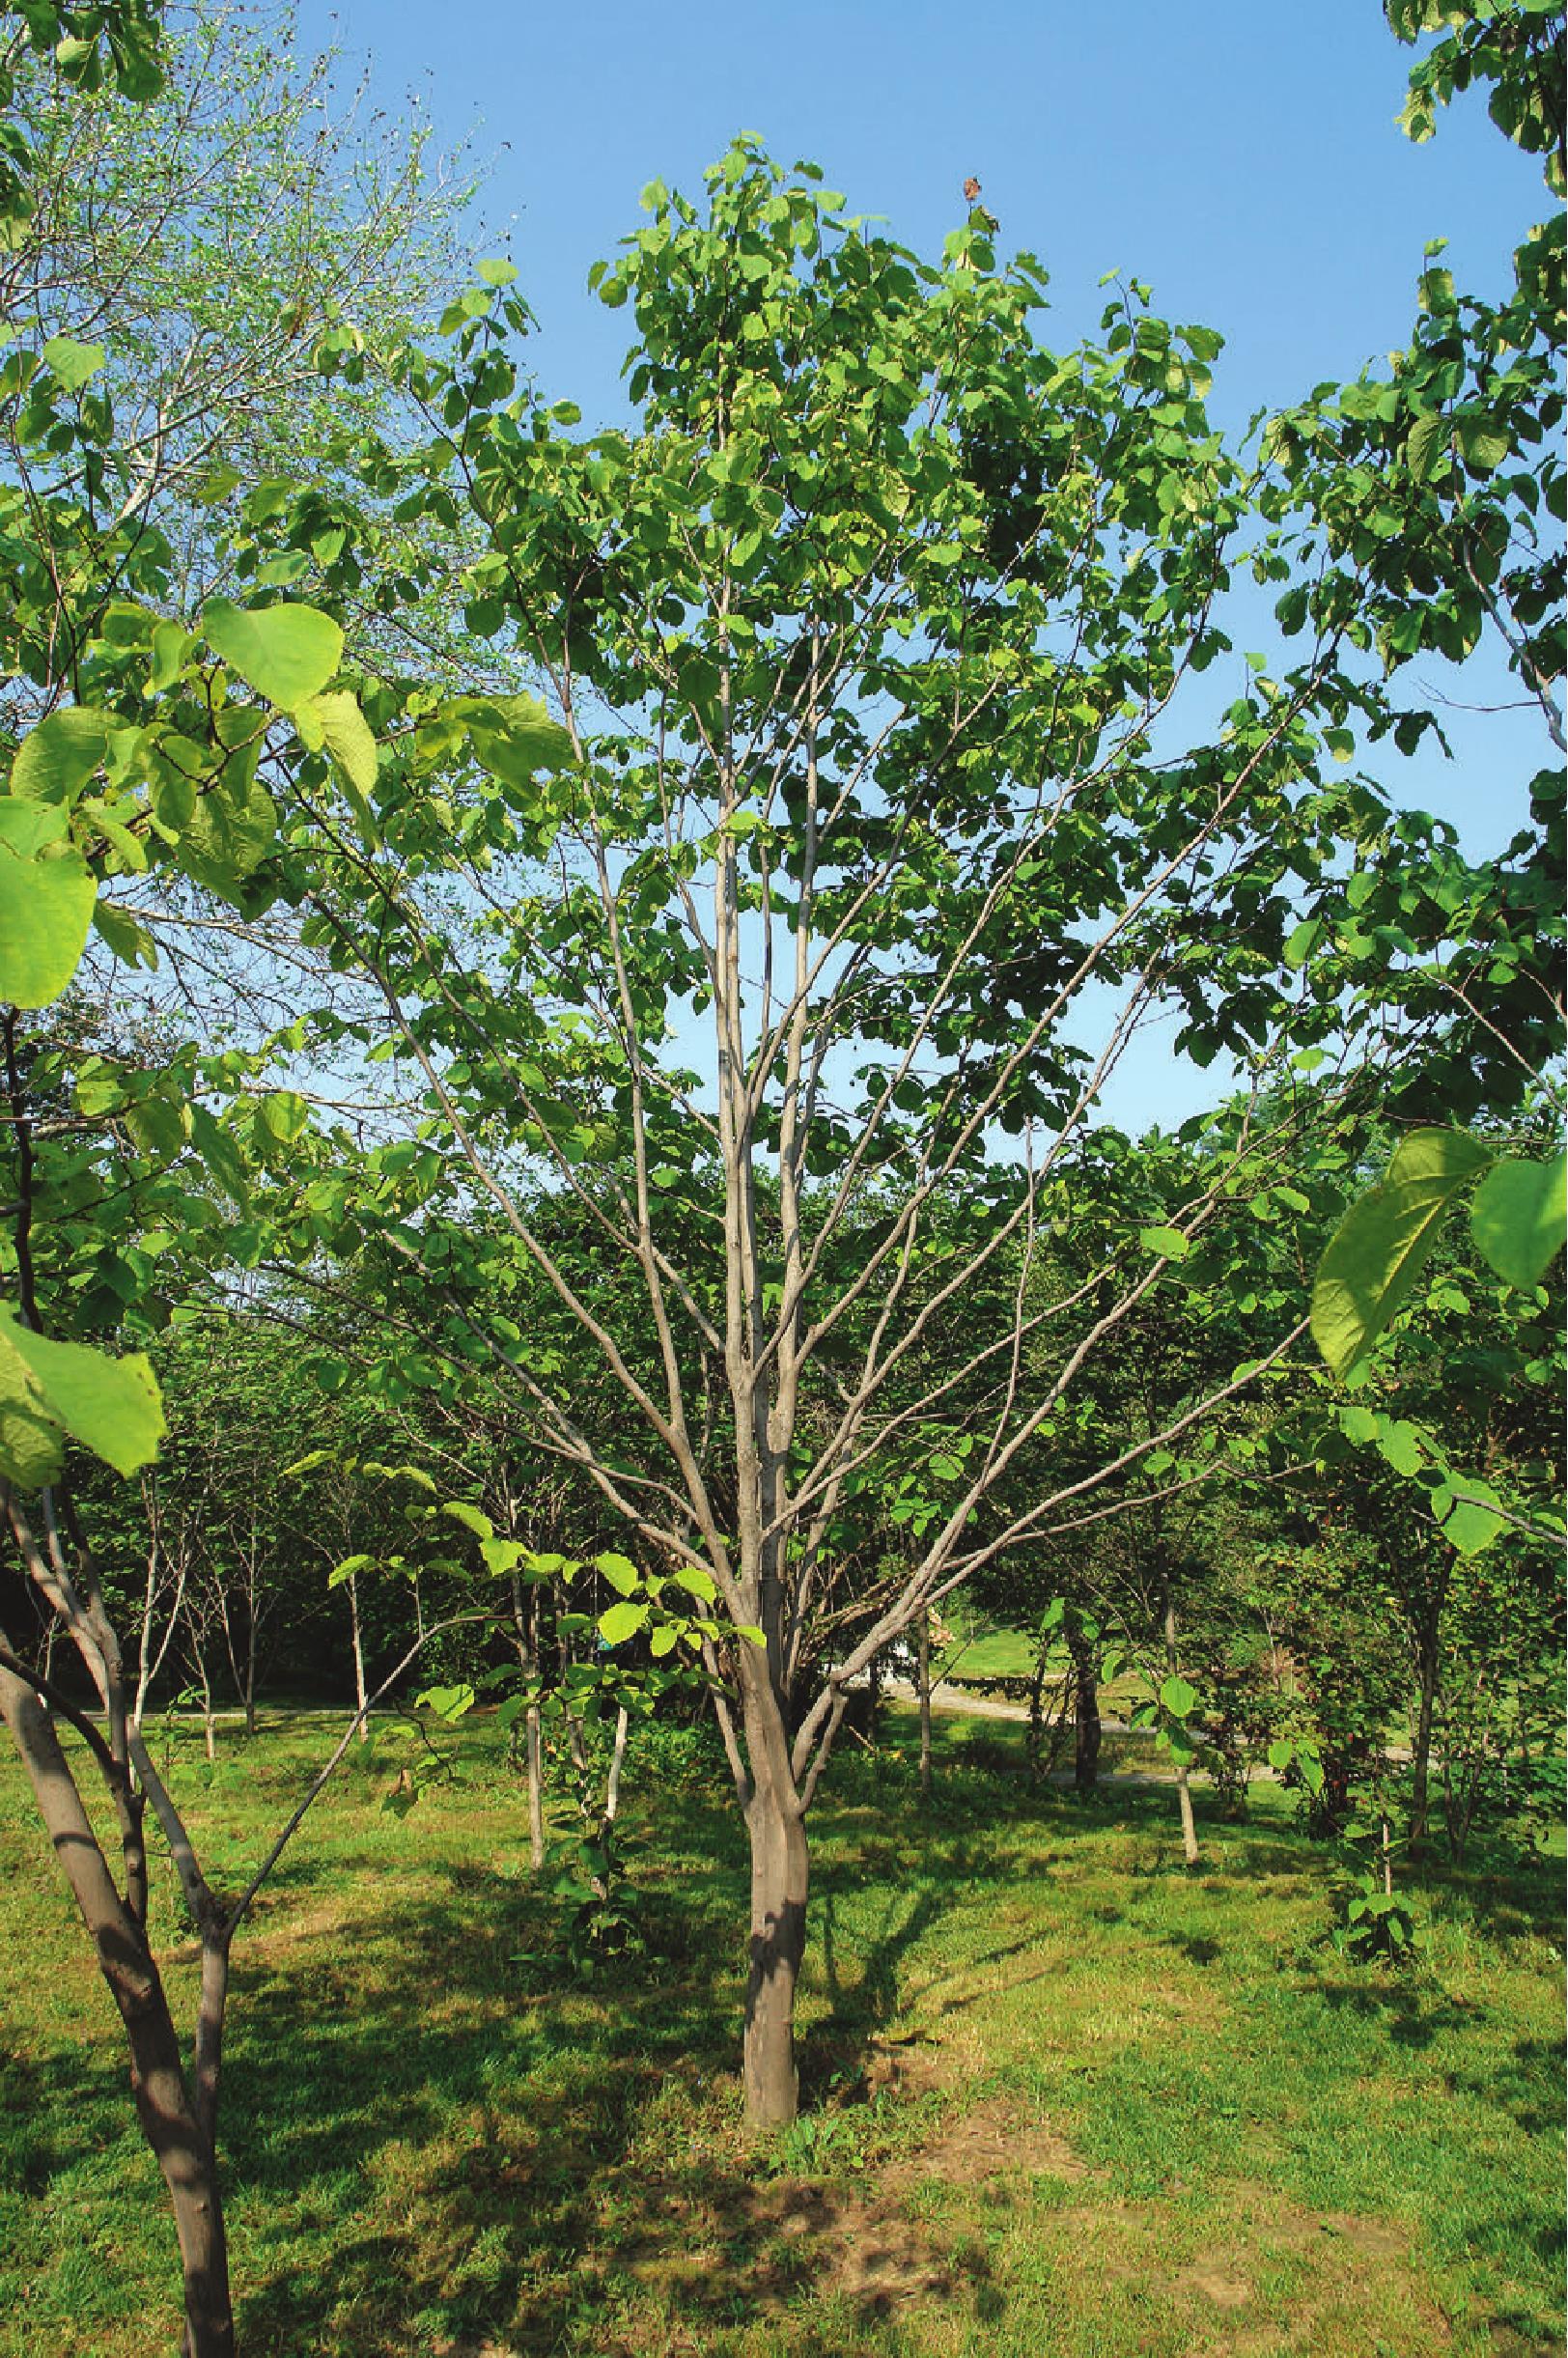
x=1335, y=2251
x=983, y=2142
x=1223, y=2287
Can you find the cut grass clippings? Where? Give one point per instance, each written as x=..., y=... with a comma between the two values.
x=1063, y=2099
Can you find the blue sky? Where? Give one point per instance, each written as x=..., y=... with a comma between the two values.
x=1242, y=156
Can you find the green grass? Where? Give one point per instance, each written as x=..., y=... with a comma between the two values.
x=1064, y=2100
x=996, y=1653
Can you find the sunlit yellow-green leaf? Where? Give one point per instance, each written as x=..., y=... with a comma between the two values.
x=287, y=653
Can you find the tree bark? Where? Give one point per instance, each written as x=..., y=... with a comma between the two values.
x=780, y=1868
x=526, y=1625
x=1190, y=1831
x=360, y=1689
x=250, y=1674
x=534, y=1738
x=1184, y=1790
x=925, y=1704
x=1085, y=1719
x=165, y=2107
x=1427, y=1659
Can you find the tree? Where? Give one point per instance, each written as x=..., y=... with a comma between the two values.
x=875, y=649
x=136, y=750
x=238, y=249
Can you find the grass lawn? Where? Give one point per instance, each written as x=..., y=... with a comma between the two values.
x=1066, y=2100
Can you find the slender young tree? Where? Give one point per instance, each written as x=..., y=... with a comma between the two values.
x=884, y=743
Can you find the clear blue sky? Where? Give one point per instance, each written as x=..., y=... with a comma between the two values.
x=1241, y=155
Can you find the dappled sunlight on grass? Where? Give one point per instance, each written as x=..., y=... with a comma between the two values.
x=1062, y=2097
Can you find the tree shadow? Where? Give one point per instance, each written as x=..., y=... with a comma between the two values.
x=482, y=2165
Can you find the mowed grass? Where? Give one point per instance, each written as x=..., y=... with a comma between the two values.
x=1064, y=2099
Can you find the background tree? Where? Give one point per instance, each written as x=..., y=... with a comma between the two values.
x=875, y=647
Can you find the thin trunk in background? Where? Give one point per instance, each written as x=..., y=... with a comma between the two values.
x=1184, y=1790
x=1085, y=1653
x=360, y=1690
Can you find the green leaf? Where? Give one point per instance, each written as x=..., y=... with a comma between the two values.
x=346, y=1568
x=126, y=936
x=1424, y=445
x=1379, y=1248
x=45, y=909
x=622, y=1621
x=1177, y=1697
x=112, y=1407
x=73, y=363
x=1171, y=1243
x=1452, y=1155
x=514, y=736
x=286, y=653
x=472, y=1518
x=1485, y=446
x=221, y=1150
x=501, y=1555
x=1299, y=947
x=621, y=1573
x=54, y=761
x=449, y=1703
x=30, y=828
x=285, y=1112
x=1518, y=1219
x=157, y=1128
x=1464, y=1521
x=495, y=273
x=1400, y=1442
x=348, y=738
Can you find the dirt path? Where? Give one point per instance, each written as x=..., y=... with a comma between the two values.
x=945, y=1698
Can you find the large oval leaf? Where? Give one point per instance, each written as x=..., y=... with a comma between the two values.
x=287, y=653
x=45, y=909
x=113, y=1407
x=1518, y=1218
x=55, y=760
x=1379, y=1248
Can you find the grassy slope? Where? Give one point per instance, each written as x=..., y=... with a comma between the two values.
x=1067, y=2102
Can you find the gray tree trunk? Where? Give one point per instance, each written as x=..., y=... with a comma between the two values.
x=781, y=1875
x=1085, y=1719
x=171, y=2117
x=1184, y=1790
x=1427, y=1659
x=361, y=1691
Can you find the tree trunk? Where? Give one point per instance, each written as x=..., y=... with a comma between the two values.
x=534, y=1736
x=209, y=1728
x=1426, y=1662
x=776, y=1824
x=251, y=1674
x=612, y=1787
x=925, y=1704
x=527, y=1644
x=164, y=2105
x=1190, y=1831
x=612, y=1798
x=361, y=1691
x=1085, y=1719
x=1184, y=1790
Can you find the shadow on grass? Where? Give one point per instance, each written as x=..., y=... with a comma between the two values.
x=478, y=2163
